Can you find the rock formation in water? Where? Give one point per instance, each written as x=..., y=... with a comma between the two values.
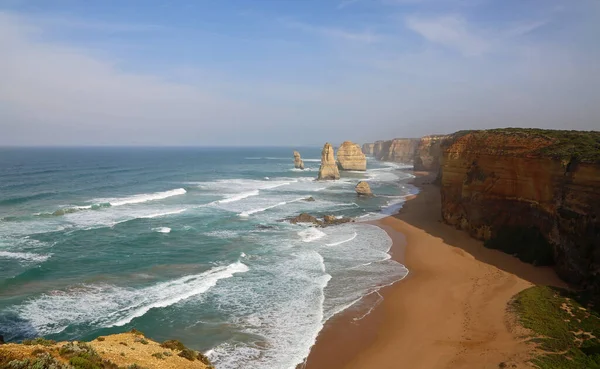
x=328, y=220
x=328, y=169
x=428, y=153
x=363, y=189
x=351, y=157
x=368, y=148
x=529, y=192
x=298, y=163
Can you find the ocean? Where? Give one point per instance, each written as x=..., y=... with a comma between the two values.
x=188, y=243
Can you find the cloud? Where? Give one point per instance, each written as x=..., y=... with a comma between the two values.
x=450, y=31
x=335, y=33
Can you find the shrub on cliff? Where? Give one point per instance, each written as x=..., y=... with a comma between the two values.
x=528, y=244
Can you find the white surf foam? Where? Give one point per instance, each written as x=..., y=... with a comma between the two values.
x=344, y=241
x=162, y=229
x=137, y=199
x=163, y=214
x=238, y=197
x=110, y=306
x=24, y=256
x=247, y=213
x=311, y=234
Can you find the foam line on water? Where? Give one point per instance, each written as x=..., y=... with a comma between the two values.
x=108, y=305
x=162, y=229
x=344, y=241
x=137, y=199
x=237, y=197
x=311, y=234
x=24, y=256
x=247, y=213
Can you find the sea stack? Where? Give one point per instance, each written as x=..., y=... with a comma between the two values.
x=363, y=189
x=298, y=163
x=328, y=169
x=351, y=157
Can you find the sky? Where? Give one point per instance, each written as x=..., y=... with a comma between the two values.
x=292, y=72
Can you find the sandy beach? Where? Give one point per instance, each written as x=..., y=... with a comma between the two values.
x=449, y=312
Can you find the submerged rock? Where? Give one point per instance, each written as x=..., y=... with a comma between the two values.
x=298, y=163
x=363, y=189
x=328, y=169
x=351, y=157
x=309, y=199
x=333, y=220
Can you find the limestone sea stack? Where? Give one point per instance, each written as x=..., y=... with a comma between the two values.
x=351, y=157
x=363, y=189
x=298, y=163
x=328, y=169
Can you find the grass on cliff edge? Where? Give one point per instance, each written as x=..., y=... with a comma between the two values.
x=564, y=325
x=583, y=146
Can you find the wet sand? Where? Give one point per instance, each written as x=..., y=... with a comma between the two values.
x=449, y=312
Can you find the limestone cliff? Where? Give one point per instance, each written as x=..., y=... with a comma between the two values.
x=399, y=150
x=363, y=189
x=298, y=163
x=351, y=157
x=532, y=193
x=328, y=169
x=379, y=148
x=428, y=153
x=367, y=148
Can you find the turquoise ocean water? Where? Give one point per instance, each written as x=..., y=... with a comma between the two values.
x=188, y=243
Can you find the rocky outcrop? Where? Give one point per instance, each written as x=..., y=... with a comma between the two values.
x=363, y=189
x=428, y=153
x=328, y=169
x=124, y=350
x=298, y=163
x=368, y=149
x=399, y=150
x=532, y=193
x=328, y=220
x=351, y=157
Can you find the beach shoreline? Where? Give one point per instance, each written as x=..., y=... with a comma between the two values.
x=451, y=309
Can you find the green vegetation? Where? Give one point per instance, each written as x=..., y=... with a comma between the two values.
x=188, y=354
x=582, y=146
x=526, y=243
x=159, y=355
x=39, y=341
x=564, y=325
x=173, y=345
x=83, y=356
x=143, y=341
x=42, y=361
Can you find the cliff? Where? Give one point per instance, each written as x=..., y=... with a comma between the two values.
x=351, y=157
x=368, y=149
x=533, y=193
x=328, y=169
x=400, y=150
x=125, y=350
x=428, y=152
x=379, y=147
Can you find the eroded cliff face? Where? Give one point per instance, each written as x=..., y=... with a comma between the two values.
x=367, y=149
x=351, y=157
x=378, y=148
x=400, y=150
x=528, y=193
x=428, y=153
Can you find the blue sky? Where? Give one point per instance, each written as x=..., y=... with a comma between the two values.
x=292, y=72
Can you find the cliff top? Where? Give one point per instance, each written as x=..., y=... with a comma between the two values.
x=582, y=146
x=125, y=350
